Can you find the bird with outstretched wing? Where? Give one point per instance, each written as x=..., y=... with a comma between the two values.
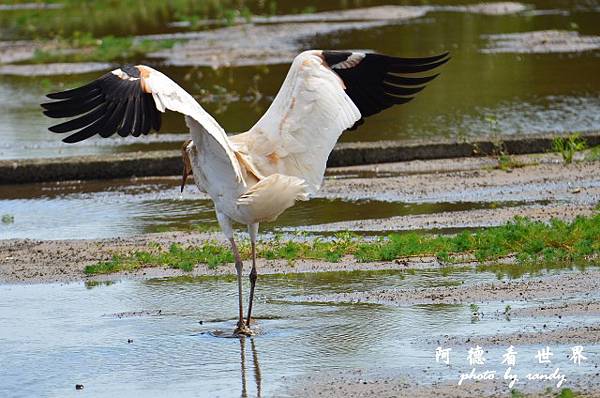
x=254, y=176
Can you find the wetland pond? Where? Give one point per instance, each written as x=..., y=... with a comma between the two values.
x=493, y=84
x=105, y=209
x=169, y=336
x=162, y=337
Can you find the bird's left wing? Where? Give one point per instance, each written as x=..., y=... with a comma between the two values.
x=325, y=93
x=129, y=101
x=299, y=130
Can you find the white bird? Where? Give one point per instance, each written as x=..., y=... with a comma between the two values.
x=254, y=176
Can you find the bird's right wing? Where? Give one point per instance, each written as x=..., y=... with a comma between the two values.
x=129, y=101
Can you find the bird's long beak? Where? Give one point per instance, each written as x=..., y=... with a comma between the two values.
x=187, y=165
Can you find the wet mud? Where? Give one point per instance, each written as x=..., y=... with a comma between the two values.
x=541, y=42
x=543, y=190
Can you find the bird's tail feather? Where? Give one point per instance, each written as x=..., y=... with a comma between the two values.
x=271, y=196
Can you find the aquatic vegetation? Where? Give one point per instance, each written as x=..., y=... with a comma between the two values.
x=514, y=393
x=214, y=254
x=475, y=313
x=567, y=393
x=124, y=18
x=111, y=27
x=7, y=219
x=593, y=154
x=569, y=146
x=105, y=49
x=507, y=163
x=532, y=247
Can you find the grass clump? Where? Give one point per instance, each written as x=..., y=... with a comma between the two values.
x=593, y=154
x=176, y=256
x=529, y=241
x=569, y=146
x=535, y=246
x=316, y=249
x=508, y=163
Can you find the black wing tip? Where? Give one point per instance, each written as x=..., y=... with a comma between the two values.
x=433, y=61
x=56, y=129
x=409, y=67
x=58, y=95
x=51, y=114
x=71, y=139
x=434, y=58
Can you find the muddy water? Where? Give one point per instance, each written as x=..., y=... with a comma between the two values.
x=71, y=210
x=53, y=337
x=478, y=92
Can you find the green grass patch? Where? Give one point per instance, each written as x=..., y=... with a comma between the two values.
x=569, y=146
x=536, y=246
x=593, y=155
x=508, y=163
x=105, y=49
x=119, y=18
x=567, y=393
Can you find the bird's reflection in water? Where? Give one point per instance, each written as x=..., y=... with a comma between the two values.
x=257, y=375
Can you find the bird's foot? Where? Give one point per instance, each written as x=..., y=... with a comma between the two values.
x=243, y=330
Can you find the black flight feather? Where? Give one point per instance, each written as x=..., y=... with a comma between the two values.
x=108, y=105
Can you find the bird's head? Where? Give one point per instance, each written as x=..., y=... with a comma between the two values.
x=187, y=163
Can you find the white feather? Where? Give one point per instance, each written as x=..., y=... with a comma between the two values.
x=298, y=132
x=169, y=95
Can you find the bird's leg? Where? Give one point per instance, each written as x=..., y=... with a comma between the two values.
x=225, y=223
x=253, y=230
x=253, y=276
x=239, y=265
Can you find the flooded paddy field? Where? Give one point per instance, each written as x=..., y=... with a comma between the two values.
x=169, y=336
x=450, y=193
x=492, y=85
x=337, y=329
x=323, y=329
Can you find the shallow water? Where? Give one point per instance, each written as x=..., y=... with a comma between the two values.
x=476, y=94
x=55, y=336
x=104, y=209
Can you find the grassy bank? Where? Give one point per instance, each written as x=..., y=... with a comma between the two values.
x=105, y=30
x=533, y=245
x=108, y=17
